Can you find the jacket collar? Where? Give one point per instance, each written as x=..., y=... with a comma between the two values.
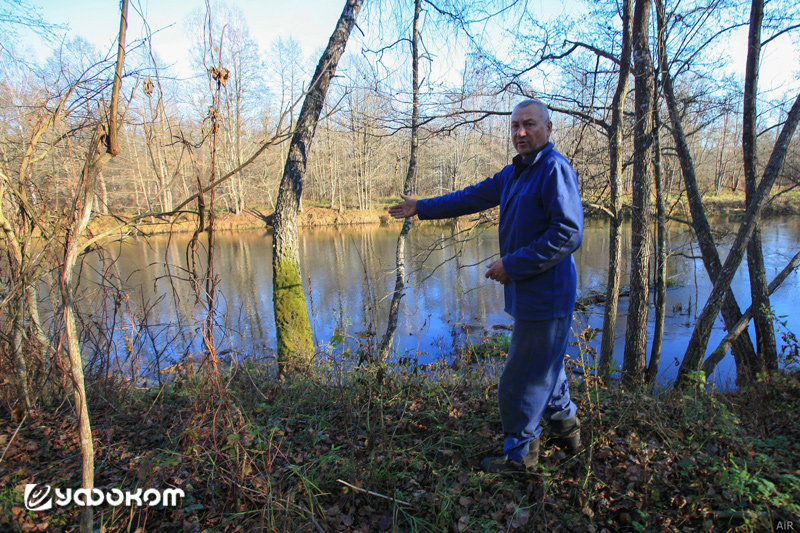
x=520, y=166
x=521, y=163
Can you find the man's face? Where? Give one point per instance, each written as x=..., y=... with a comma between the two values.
x=529, y=131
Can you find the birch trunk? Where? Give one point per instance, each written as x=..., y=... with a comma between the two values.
x=388, y=337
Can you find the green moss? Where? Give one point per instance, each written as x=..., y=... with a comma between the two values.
x=293, y=328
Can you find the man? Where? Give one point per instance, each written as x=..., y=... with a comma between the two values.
x=541, y=224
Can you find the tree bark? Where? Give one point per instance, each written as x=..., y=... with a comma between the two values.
x=615, y=230
x=293, y=328
x=716, y=356
x=17, y=270
x=759, y=292
x=661, y=253
x=743, y=350
x=697, y=344
x=103, y=147
x=394, y=310
x=636, y=335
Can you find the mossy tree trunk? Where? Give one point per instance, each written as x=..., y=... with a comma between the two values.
x=293, y=328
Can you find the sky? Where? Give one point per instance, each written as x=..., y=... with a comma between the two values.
x=311, y=22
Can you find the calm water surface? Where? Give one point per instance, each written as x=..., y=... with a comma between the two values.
x=348, y=276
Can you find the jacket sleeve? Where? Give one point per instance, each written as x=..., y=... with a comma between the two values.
x=483, y=195
x=562, y=204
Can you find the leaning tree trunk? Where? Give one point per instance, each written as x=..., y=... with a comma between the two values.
x=635, y=356
x=399, y=285
x=759, y=291
x=702, y=329
x=293, y=328
x=615, y=231
x=716, y=356
x=743, y=351
x=104, y=146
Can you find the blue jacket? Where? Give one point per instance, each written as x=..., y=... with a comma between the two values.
x=541, y=224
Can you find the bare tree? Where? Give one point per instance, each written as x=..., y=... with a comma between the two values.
x=759, y=291
x=660, y=277
x=743, y=349
x=293, y=328
x=635, y=355
x=104, y=145
x=388, y=337
x=699, y=340
x=615, y=141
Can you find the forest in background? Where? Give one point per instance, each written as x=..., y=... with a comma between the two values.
x=638, y=104
x=360, y=150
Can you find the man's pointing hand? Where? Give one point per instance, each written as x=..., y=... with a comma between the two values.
x=406, y=209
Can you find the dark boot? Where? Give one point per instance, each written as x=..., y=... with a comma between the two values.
x=566, y=434
x=504, y=465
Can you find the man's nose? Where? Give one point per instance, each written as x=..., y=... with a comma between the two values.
x=522, y=132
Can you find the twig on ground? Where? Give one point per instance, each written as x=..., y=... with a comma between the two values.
x=12, y=437
x=365, y=491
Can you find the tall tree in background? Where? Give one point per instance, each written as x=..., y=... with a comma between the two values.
x=615, y=140
x=293, y=328
x=759, y=290
x=239, y=99
x=394, y=310
x=641, y=227
x=743, y=351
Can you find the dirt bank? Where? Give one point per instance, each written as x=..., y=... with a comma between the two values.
x=728, y=204
x=311, y=216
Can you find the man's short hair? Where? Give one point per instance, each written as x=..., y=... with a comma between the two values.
x=542, y=107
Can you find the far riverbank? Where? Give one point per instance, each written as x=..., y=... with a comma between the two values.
x=314, y=214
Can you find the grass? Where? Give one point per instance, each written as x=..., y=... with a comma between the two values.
x=355, y=449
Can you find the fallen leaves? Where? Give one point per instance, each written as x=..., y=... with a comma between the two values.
x=410, y=452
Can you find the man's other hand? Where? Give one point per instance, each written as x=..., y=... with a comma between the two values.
x=497, y=272
x=406, y=209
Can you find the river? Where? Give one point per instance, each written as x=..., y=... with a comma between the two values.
x=347, y=275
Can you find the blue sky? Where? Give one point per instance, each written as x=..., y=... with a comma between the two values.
x=310, y=22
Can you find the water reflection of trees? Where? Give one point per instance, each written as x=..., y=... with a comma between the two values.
x=351, y=273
